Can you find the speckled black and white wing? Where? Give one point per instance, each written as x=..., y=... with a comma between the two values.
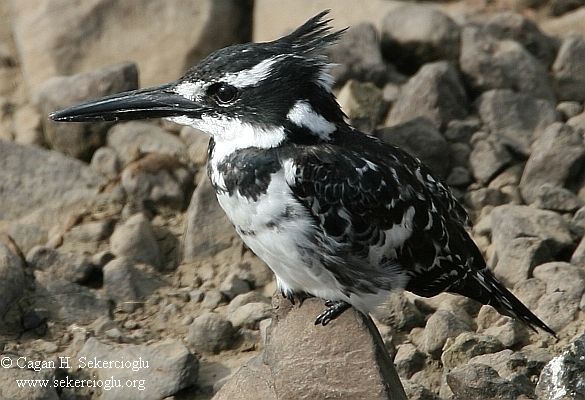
x=385, y=222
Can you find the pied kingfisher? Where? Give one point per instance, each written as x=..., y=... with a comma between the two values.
x=335, y=213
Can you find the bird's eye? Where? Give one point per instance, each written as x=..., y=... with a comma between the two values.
x=223, y=93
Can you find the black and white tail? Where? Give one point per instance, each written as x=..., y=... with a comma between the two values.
x=482, y=286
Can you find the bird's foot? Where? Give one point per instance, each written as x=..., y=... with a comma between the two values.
x=334, y=310
x=294, y=297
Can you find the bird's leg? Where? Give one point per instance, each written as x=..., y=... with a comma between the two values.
x=334, y=310
x=293, y=297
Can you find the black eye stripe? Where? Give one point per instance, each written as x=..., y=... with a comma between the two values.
x=222, y=93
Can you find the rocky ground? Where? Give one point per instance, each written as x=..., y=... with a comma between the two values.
x=112, y=244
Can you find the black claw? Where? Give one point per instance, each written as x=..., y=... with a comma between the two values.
x=334, y=310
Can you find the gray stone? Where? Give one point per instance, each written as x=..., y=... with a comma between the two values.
x=569, y=109
x=459, y=176
x=577, y=122
x=562, y=277
x=76, y=268
x=287, y=366
x=435, y=92
x=508, y=362
x=569, y=69
x=81, y=140
x=210, y=333
x=11, y=390
x=88, y=232
x=212, y=299
x=441, y=326
x=550, y=197
x=159, y=370
x=363, y=104
x=82, y=38
x=485, y=196
x=400, y=313
x=408, y=360
x=529, y=292
x=233, y=285
x=69, y=302
x=562, y=377
x=357, y=56
x=578, y=222
x=501, y=64
x=509, y=332
x=41, y=189
x=559, y=145
x=420, y=138
x=480, y=382
x=519, y=257
x=27, y=126
x=507, y=25
x=12, y=284
x=578, y=257
x=134, y=239
x=242, y=299
x=556, y=310
x=460, y=153
x=105, y=160
x=207, y=231
x=249, y=315
x=514, y=221
x=414, y=391
x=517, y=119
x=128, y=285
x=413, y=35
x=467, y=345
x=488, y=158
x=158, y=179
x=135, y=138
x=462, y=130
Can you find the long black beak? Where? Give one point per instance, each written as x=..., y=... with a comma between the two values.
x=156, y=102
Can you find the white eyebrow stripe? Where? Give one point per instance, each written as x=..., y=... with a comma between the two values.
x=302, y=114
x=252, y=76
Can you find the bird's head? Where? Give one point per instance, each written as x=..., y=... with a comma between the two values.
x=258, y=93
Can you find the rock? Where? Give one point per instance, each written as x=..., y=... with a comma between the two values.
x=562, y=377
x=158, y=179
x=578, y=222
x=559, y=145
x=569, y=109
x=212, y=299
x=556, y=310
x=358, y=56
x=488, y=158
x=287, y=367
x=233, y=285
x=556, y=198
x=414, y=391
x=134, y=239
x=483, y=197
x=562, y=277
x=413, y=35
x=105, y=160
x=363, y=104
x=569, y=69
x=509, y=332
x=249, y=315
x=408, y=360
x=441, y=326
x=529, y=292
x=12, y=285
x=400, y=313
x=40, y=189
x=479, y=382
x=514, y=221
x=506, y=25
x=461, y=131
x=508, y=363
x=517, y=119
x=27, y=126
x=459, y=176
x=519, y=257
x=421, y=139
x=207, y=230
x=242, y=299
x=127, y=284
x=158, y=370
x=569, y=23
x=210, y=333
x=578, y=257
x=14, y=392
x=81, y=140
x=467, y=345
x=69, y=302
x=134, y=138
x=75, y=268
x=434, y=92
x=73, y=40
x=490, y=64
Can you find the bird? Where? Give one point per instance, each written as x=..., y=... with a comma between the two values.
x=335, y=213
